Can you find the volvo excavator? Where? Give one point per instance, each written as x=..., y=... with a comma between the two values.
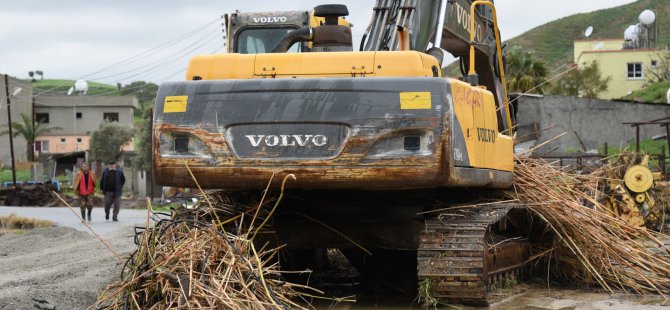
x=395, y=164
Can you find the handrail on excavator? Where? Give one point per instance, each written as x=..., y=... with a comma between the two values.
x=473, y=73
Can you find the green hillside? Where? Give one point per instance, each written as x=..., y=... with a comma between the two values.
x=655, y=93
x=60, y=87
x=553, y=42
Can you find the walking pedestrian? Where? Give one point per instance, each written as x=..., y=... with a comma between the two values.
x=84, y=187
x=111, y=184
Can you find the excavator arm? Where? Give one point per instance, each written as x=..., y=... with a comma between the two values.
x=435, y=25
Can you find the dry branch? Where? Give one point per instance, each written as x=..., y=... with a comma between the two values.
x=591, y=247
x=198, y=259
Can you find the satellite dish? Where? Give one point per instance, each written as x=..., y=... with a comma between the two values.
x=81, y=86
x=70, y=91
x=588, y=31
x=647, y=17
x=16, y=91
x=631, y=33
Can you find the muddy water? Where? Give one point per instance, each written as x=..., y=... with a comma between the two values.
x=537, y=297
x=567, y=299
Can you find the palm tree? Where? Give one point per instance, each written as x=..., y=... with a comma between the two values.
x=29, y=131
x=524, y=73
x=40, y=73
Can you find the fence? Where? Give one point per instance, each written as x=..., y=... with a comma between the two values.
x=585, y=163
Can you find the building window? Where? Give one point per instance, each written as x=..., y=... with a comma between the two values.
x=111, y=117
x=62, y=140
x=78, y=140
x=78, y=114
x=635, y=70
x=42, y=146
x=42, y=117
x=654, y=64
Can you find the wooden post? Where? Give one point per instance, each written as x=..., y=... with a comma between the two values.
x=579, y=163
x=667, y=135
x=661, y=163
x=32, y=121
x=9, y=124
x=637, y=138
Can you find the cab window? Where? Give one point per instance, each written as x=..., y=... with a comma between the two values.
x=262, y=40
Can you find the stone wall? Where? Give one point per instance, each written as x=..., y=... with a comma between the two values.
x=587, y=123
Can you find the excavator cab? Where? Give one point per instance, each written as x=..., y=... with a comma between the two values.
x=260, y=32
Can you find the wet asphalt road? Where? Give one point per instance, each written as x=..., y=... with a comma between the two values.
x=65, y=218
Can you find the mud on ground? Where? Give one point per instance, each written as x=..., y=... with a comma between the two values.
x=57, y=268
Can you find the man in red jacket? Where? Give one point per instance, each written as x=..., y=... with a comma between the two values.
x=84, y=187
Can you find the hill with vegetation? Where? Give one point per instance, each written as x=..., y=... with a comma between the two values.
x=48, y=87
x=655, y=92
x=553, y=42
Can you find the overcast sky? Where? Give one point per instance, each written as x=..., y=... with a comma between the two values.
x=72, y=39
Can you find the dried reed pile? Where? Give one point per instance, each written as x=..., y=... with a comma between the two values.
x=590, y=246
x=14, y=221
x=205, y=258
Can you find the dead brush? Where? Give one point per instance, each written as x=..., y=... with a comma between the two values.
x=590, y=246
x=206, y=258
x=14, y=221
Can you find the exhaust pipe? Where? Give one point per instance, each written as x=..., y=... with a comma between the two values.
x=298, y=35
x=328, y=37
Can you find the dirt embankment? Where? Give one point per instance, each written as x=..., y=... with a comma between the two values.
x=57, y=268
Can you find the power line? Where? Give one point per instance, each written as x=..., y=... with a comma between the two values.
x=144, y=54
x=153, y=50
x=177, y=54
x=137, y=89
x=166, y=62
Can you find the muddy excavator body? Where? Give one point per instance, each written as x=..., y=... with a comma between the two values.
x=378, y=140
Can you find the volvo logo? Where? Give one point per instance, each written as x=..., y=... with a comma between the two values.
x=270, y=19
x=287, y=140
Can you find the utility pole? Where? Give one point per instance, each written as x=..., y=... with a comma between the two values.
x=32, y=121
x=9, y=124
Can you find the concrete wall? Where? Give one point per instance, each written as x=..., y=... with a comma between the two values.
x=57, y=146
x=21, y=104
x=63, y=110
x=592, y=121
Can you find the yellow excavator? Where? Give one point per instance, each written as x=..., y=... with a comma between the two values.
x=379, y=141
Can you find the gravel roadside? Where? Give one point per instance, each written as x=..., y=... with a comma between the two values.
x=61, y=267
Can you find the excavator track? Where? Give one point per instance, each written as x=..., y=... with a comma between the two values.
x=468, y=252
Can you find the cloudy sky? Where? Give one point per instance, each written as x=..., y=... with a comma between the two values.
x=126, y=40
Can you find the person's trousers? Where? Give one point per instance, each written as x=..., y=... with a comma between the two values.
x=86, y=202
x=112, y=198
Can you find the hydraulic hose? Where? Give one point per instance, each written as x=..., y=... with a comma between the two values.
x=298, y=35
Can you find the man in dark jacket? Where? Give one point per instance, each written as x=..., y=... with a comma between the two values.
x=111, y=183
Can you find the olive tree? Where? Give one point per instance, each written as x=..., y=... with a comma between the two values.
x=586, y=81
x=108, y=140
x=143, y=159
